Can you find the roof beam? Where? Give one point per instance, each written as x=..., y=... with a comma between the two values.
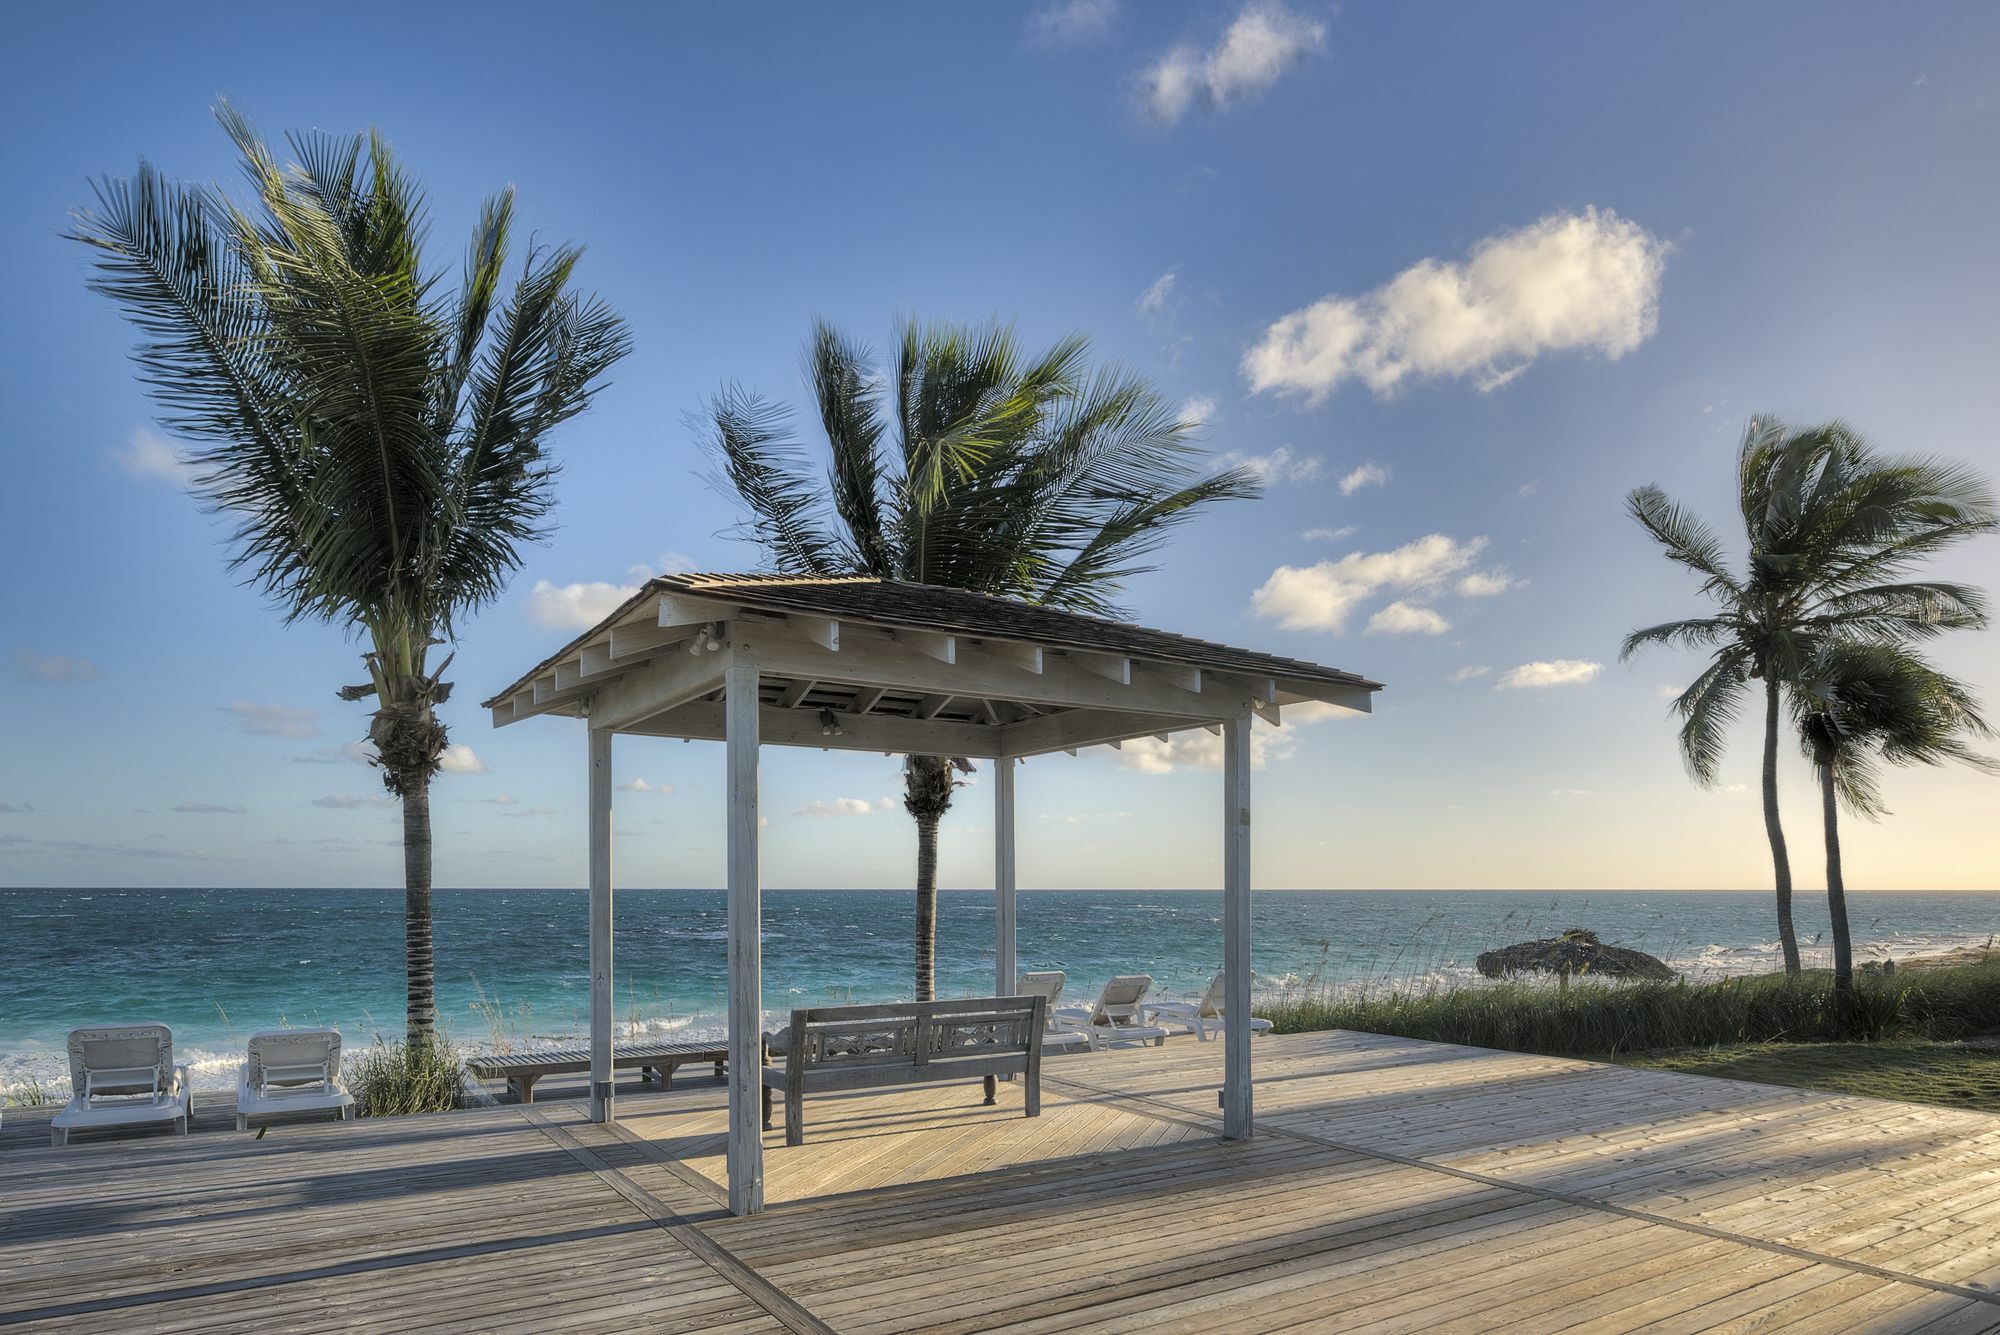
x=1027, y=657
x=1085, y=727
x=866, y=699
x=702, y=719
x=1111, y=667
x=944, y=648
x=652, y=687
x=677, y=609
x=638, y=637
x=1177, y=674
x=822, y=631
x=789, y=697
x=900, y=667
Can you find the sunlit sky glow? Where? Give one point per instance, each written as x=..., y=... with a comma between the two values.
x=1451, y=282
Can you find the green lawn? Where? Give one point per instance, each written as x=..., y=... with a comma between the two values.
x=1955, y=1075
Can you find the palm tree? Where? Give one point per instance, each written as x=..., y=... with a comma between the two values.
x=968, y=464
x=1832, y=530
x=1859, y=703
x=378, y=437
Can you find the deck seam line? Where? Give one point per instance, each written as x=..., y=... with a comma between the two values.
x=1167, y=1112
x=731, y=1268
x=694, y=1178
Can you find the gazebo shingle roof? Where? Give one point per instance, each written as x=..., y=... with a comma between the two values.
x=931, y=607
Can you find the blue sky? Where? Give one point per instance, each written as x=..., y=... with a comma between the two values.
x=1458, y=278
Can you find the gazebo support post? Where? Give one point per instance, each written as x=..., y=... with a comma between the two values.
x=601, y=1084
x=1236, y=1119
x=1004, y=976
x=746, y=982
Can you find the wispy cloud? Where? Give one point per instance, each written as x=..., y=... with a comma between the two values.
x=147, y=454
x=1485, y=583
x=1367, y=475
x=348, y=802
x=273, y=720
x=1283, y=464
x=1468, y=672
x=207, y=809
x=1200, y=749
x=1328, y=534
x=17, y=809
x=15, y=843
x=1159, y=298
x=501, y=800
x=1256, y=50
x=838, y=806
x=1548, y=672
x=1065, y=25
x=1571, y=282
x=539, y=809
x=347, y=753
x=55, y=669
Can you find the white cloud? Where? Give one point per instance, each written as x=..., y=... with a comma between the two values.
x=537, y=810
x=1367, y=475
x=1280, y=465
x=146, y=454
x=57, y=669
x=839, y=806
x=1265, y=40
x=1588, y=281
x=1197, y=410
x=1064, y=25
x=348, y=802
x=641, y=786
x=670, y=563
x=1570, y=792
x=501, y=799
x=1549, y=672
x=1328, y=534
x=1484, y=583
x=207, y=809
x=459, y=759
x=575, y=606
x=1158, y=298
x=1320, y=597
x=1527, y=489
x=1468, y=672
x=1401, y=618
x=17, y=808
x=273, y=720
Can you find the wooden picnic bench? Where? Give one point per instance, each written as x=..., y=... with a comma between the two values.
x=655, y=1061
x=907, y=1043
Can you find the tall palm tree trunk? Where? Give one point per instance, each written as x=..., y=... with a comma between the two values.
x=927, y=845
x=1836, y=894
x=1781, y=862
x=419, y=964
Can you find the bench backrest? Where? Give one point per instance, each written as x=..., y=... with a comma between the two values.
x=914, y=1033
x=120, y=1059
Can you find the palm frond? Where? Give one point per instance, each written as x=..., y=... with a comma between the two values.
x=1685, y=538
x=757, y=459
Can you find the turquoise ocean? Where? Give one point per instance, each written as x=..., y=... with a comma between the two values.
x=512, y=964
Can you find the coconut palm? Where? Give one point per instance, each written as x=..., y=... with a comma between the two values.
x=971, y=464
x=1858, y=704
x=377, y=435
x=1833, y=529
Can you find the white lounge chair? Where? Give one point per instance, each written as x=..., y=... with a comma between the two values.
x=1117, y=1017
x=1204, y=1017
x=291, y=1070
x=1056, y=1037
x=122, y=1075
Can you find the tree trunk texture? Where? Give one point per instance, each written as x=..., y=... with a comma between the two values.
x=418, y=961
x=927, y=848
x=1781, y=862
x=1836, y=892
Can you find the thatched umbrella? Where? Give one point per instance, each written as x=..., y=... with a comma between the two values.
x=1575, y=951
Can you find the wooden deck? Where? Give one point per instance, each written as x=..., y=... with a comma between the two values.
x=1393, y=1186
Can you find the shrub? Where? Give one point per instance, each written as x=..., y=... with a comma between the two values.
x=394, y=1079
x=1606, y=1019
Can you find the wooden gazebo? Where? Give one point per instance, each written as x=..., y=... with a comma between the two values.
x=861, y=664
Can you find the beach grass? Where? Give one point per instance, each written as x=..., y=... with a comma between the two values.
x=395, y=1079
x=30, y=1093
x=1954, y=1075
x=1610, y=1020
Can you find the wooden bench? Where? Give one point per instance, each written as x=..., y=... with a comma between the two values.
x=655, y=1061
x=908, y=1043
